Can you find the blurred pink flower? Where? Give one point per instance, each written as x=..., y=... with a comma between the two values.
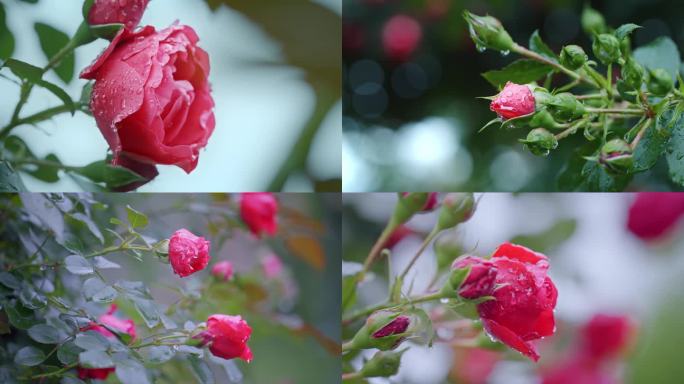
x=272, y=266
x=653, y=215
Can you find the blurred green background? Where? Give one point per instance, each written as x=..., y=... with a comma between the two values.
x=412, y=125
x=275, y=74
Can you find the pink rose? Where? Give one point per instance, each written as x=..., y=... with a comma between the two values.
x=227, y=337
x=126, y=12
x=151, y=98
x=259, y=211
x=513, y=101
x=188, y=253
x=401, y=36
x=223, y=270
x=272, y=266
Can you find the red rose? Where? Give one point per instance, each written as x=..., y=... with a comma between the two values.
x=605, y=336
x=151, y=98
x=401, y=35
x=223, y=270
x=654, y=214
x=513, y=101
x=577, y=370
x=258, y=211
x=227, y=337
x=481, y=278
x=188, y=253
x=108, y=319
x=127, y=12
x=394, y=327
x=522, y=308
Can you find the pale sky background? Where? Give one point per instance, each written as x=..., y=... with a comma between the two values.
x=259, y=112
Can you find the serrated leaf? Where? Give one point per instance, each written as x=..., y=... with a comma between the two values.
x=134, y=289
x=148, y=310
x=625, y=29
x=45, y=334
x=78, y=265
x=136, y=218
x=105, y=295
x=68, y=353
x=52, y=41
x=104, y=263
x=201, y=370
x=91, y=341
x=653, y=144
x=537, y=45
x=31, y=298
x=130, y=371
x=597, y=179
x=95, y=359
x=29, y=356
x=660, y=53
x=159, y=354
x=521, y=71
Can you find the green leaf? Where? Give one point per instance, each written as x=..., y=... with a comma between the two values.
x=46, y=172
x=87, y=92
x=9, y=280
x=653, y=144
x=520, y=72
x=31, y=298
x=60, y=93
x=348, y=291
x=596, y=179
x=106, y=31
x=24, y=71
x=19, y=316
x=159, y=354
x=9, y=179
x=675, y=151
x=91, y=341
x=45, y=334
x=549, y=238
x=78, y=265
x=95, y=359
x=134, y=289
x=201, y=370
x=92, y=227
x=539, y=46
x=135, y=218
x=6, y=36
x=68, y=352
x=660, y=53
x=625, y=29
x=52, y=41
x=112, y=176
x=130, y=371
x=103, y=263
x=29, y=356
x=148, y=310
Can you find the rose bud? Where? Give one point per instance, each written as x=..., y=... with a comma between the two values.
x=472, y=277
x=653, y=215
x=456, y=209
x=109, y=320
x=543, y=119
x=592, y=21
x=151, y=98
x=633, y=73
x=397, y=236
x=188, y=253
x=540, y=142
x=271, y=266
x=573, y=57
x=223, y=270
x=259, y=211
x=616, y=156
x=659, y=82
x=606, y=48
x=401, y=36
x=127, y=13
x=524, y=300
x=487, y=32
x=565, y=107
x=513, y=101
x=605, y=336
x=383, y=364
x=385, y=330
x=409, y=204
x=227, y=337
x=430, y=203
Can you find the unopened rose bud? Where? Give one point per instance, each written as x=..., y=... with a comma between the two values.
x=633, y=73
x=383, y=364
x=513, y=101
x=659, y=82
x=565, y=107
x=593, y=22
x=223, y=270
x=616, y=156
x=606, y=48
x=430, y=203
x=409, y=204
x=487, y=32
x=543, y=119
x=127, y=13
x=573, y=56
x=541, y=97
x=472, y=277
x=456, y=208
x=540, y=141
x=385, y=330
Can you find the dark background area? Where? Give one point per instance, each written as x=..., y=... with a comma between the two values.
x=442, y=79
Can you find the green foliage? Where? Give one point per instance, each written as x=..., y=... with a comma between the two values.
x=6, y=36
x=52, y=41
x=520, y=72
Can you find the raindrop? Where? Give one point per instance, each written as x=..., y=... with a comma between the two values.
x=505, y=53
x=480, y=48
x=444, y=300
